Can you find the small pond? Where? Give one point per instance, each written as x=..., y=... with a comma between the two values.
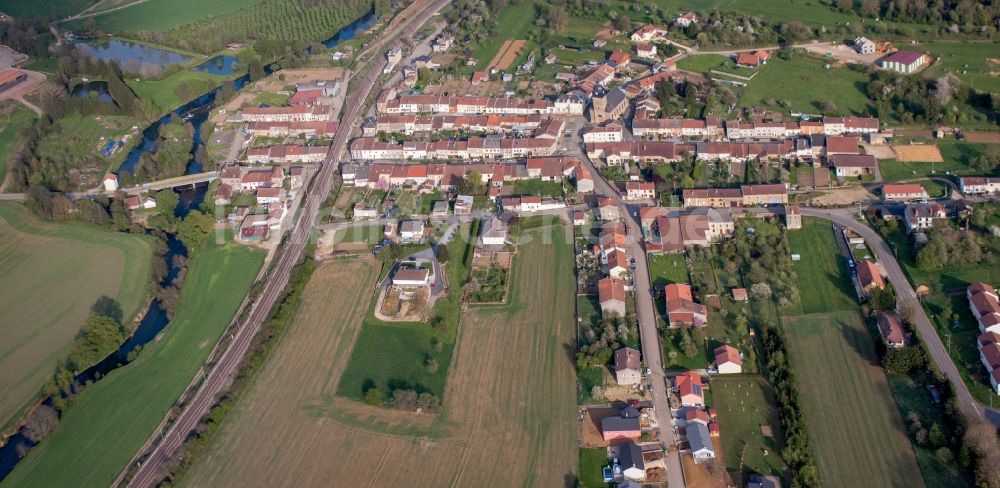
x=93, y=90
x=133, y=57
x=222, y=65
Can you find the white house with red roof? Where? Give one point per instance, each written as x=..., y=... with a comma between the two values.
x=728, y=360
x=689, y=389
x=681, y=307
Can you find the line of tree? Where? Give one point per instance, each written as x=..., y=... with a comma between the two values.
x=798, y=452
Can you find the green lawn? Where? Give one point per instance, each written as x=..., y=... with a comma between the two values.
x=166, y=93
x=391, y=355
x=968, y=60
x=745, y=403
x=12, y=121
x=706, y=63
x=665, y=269
x=855, y=427
x=51, y=275
x=828, y=286
x=161, y=15
x=537, y=187
x=370, y=233
x=592, y=462
x=956, y=155
x=110, y=420
x=803, y=84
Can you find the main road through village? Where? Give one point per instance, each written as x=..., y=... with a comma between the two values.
x=220, y=376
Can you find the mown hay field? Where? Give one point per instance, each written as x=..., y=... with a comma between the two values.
x=509, y=410
x=50, y=275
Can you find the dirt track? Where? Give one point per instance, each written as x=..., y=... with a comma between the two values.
x=507, y=54
x=509, y=405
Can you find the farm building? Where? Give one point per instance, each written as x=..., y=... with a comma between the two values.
x=901, y=192
x=863, y=45
x=11, y=77
x=905, y=62
x=853, y=165
x=627, y=365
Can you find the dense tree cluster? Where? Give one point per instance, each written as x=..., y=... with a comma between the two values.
x=798, y=453
x=950, y=247
x=598, y=341
x=982, y=13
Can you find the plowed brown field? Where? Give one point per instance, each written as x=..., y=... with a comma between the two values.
x=510, y=406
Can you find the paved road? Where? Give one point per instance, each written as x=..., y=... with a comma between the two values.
x=220, y=376
x=907, y=297
x=648, y=330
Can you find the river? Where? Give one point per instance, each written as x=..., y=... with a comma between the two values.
x=155, y=320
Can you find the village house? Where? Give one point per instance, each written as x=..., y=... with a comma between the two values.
x=728, y=360
x=640, y=190
x=463, y=204
x=697, y=227
x=361, y=212
x=920, y=216
x=903, y=192
x=891, y=329
x=681, y=307
x=647, y=33
x=623, y=426
x=740, y=295
x=689, y=389
x=443, y=43
x=627, y=367
x=111, y=182
x=616, y=263
x=752, y=59
x=632, y=462
x=869, y=276
x=411, y=278
x=842, y=145
x=411, y=231
x=745, y=195
x=607, y=209
x=853, y=165
x=905, y=62
x=611, y=132
x=645, y=50
x=611, y=295
x=493, y=232
x=700, y=443
x=978, y=185
x=985, y=306
x=696, y=416
x=298, y=113
x=686, y=19
x=863, y=45
x=619, y=57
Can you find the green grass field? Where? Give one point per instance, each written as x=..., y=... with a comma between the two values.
x=855, y=427
x=804, y=84
x=43, y=8
x=745, y=403
x=956, y=155
x=834, y=357
x=969, y=61
x=828, y=286
x=51, y=275
x=514, y=23
x=111, y=419
x=391, y=355
x=161, y=15
x=12, y=121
